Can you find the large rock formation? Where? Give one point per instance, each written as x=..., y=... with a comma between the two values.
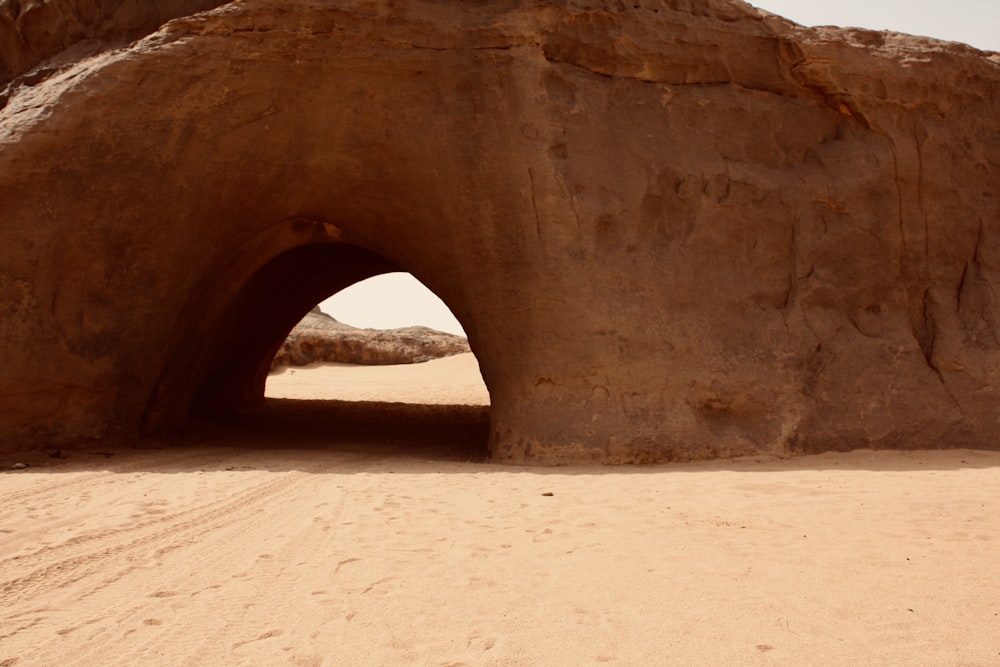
x=40, y=37
x=320, y=338
x=672, y=228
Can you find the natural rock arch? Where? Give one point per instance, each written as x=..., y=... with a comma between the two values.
x=671, y=229
x=221, y=366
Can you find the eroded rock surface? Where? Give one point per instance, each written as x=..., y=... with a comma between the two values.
x=41, y=37
x=318, y=337
x=671, y=229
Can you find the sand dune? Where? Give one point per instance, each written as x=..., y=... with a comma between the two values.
x=450, y=380
x=283, y=541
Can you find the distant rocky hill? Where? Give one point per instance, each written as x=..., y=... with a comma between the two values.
x=319, y=337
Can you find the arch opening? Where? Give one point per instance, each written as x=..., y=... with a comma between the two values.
x=234, y=366
x=387, y=338
x=391, y=301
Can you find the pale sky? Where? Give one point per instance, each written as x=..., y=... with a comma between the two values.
x=391, y=301
x=399, y=300
x=975, y=22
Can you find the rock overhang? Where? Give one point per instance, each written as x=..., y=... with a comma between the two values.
x=672, y=230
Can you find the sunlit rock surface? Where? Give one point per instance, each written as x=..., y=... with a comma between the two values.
x=671, y=229
x=318, y=337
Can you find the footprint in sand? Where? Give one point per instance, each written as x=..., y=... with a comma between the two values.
x=343, y=563
x=480, y=643
x=377, y=586
x=266, y=635
x=541, y=536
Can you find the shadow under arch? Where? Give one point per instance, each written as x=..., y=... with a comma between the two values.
x=273, y=300
x=238, y=318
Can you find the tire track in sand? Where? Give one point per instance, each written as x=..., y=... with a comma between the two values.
x=296, y=533
x=185, y=525
x=82, y=476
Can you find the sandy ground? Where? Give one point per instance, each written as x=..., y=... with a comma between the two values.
x=451, y=380
x=310, y=534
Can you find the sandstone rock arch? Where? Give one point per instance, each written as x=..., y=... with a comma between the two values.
x=243, y=316
x=671, y=229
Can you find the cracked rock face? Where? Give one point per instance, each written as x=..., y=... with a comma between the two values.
x=672, y=229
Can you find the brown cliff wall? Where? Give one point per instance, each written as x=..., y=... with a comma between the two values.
x=671, y=229
x=38, y=37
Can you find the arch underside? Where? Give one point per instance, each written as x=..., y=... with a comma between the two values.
x=225, y=371
x=273, y=300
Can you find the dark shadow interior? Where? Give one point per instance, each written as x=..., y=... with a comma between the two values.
x=274, y=299
x=433, y=432
x=236, y=361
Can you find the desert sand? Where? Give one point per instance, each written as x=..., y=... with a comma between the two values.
x=312, y=534
x=450, y=380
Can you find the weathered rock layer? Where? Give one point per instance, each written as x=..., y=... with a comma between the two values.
x=672, y=229
x=320, y=338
